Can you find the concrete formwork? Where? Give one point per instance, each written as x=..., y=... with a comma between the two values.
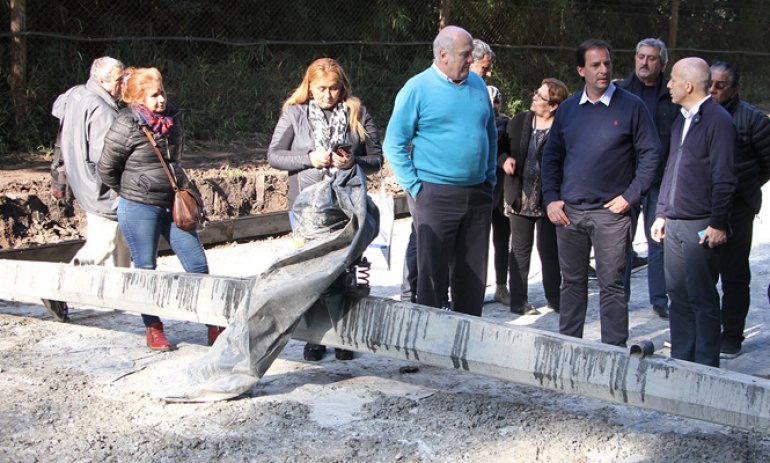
x=430, y=336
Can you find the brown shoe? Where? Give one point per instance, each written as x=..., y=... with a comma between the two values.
x=156, y=340
x=214, y=332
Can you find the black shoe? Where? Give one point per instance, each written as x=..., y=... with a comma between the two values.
x=638, y=262
x=313, y=352
x=343, y=354
x=58, y=310
x=661, y=311
x=729, y=351
x=525, y=309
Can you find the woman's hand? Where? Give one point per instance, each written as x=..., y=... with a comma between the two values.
x=319, y=159
x=509, y=166
x=342, y=160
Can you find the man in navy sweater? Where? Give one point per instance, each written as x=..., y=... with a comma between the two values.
x=693, y=209
x=600, y=158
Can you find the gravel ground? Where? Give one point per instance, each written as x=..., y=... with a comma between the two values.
x=82, y=391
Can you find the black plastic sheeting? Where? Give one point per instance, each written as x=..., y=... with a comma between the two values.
x=336, y=220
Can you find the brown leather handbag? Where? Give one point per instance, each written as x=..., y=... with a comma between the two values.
x=188, y=212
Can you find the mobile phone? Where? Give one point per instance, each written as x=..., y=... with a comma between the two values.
x=700, y=236
x=344, y=147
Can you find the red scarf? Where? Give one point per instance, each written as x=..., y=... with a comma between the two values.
x=158, y=123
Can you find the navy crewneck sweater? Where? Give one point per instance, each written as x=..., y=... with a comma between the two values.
x=595, y=152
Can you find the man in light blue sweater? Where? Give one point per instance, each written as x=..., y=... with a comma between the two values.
x=441, y=143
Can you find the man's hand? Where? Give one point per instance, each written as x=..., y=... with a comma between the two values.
x=618, y=205
x=509, y=166
x=319, y=159
x=713, y=237
x=658, y=229
x=556, y=213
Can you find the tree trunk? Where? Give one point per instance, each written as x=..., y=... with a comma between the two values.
x=673, y=27
x=18, y=79
x=443, y=14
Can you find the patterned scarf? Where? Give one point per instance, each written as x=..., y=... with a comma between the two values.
x=331, y=133
x=158, y=123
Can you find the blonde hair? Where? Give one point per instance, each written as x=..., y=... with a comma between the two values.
x=136, y=81
x=319, y=69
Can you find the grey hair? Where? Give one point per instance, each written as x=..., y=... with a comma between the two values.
x=480, y=48
x=102, y=67
x=442, y=42
x=657, y=43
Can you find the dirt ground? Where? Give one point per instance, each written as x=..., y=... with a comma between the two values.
x=234, y=181
x=86, y=390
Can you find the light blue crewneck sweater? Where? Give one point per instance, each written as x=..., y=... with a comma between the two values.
x=451, y=129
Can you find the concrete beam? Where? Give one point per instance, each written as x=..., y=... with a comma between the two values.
x=425, y=335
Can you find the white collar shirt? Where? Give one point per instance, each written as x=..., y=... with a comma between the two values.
x=604, y=99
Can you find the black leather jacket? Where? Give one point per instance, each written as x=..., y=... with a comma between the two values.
x=666, y=112
x=129, y=165
x=752, y=160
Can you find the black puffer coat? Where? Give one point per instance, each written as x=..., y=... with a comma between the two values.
x=752, y=160
x=129, y=165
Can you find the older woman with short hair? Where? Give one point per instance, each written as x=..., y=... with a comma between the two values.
x=523, y=144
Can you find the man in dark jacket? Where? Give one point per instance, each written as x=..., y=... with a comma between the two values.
x=695, y=200
x=85, y=114
x=752, y=167
x=648, y=83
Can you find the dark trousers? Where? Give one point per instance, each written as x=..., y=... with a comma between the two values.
x=609, y=234
x=691, y=277
x=409, y=280
x=735, y=273
x=656, y=281
x=501, y=238
x=452, y=225
x=522, y=238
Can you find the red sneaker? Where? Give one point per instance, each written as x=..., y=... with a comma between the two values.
x=156, y=340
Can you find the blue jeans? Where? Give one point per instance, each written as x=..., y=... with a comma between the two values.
x=656, y=282
x=143, y=224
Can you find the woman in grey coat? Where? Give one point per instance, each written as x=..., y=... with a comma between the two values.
x=322, y=127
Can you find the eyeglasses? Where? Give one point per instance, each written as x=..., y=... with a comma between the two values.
x=540, y=97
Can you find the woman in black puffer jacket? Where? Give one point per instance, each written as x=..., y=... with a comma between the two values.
x=130, y=167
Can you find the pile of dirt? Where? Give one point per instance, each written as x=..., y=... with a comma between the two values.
x=234, y=181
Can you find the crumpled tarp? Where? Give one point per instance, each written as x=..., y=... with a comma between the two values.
x=337, y=221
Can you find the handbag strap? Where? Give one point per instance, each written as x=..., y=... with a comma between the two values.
x=160, y=157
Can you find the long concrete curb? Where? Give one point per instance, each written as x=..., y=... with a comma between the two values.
x=425, y=335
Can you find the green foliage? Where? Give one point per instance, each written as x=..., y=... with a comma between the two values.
x=234, y=90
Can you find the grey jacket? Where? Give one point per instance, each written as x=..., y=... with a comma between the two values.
x=85, y=113
x=293, y=140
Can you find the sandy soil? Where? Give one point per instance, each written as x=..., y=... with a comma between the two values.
x=85, y=391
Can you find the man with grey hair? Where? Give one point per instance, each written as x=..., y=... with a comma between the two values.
x=752, y=167
x=483, y=57
x=693, y=211
x=442, y=145
x=648, y=83
x=85, y=114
